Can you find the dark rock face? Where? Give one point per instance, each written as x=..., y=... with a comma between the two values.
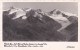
x=30, y=29
x=33, y=28
x=73, y=29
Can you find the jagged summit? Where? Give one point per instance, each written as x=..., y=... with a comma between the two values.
x=25, y=13
x=57, y=12
x=19, y=12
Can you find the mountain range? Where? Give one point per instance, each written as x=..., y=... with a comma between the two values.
x=35, y=25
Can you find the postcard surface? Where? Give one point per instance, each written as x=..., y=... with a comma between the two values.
x=39, y=25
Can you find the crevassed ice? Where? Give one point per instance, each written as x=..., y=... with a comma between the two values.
x=19, y=13
x=62, y=20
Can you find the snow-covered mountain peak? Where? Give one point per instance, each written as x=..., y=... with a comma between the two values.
x=61, y=17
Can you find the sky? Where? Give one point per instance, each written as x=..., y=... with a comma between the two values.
x=71, y=7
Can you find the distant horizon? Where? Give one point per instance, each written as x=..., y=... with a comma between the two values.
x=71, y=7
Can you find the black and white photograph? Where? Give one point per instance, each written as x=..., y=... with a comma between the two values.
x=40, y=21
